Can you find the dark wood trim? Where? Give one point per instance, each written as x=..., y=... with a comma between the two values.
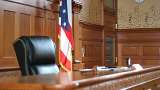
x=96, y=80
x=4, y=69
x=94, y=40
x=112, y=11
x=139, y=30
x=138, y=41
x=91, y=26
x=109, y=11
x=43, y=8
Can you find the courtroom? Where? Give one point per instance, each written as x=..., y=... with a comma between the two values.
x=79, y=45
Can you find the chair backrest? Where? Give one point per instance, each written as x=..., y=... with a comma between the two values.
x=36, y=55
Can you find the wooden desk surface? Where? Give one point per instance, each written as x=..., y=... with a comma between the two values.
x=71, y=80
x=64, y=79
x=61, y=78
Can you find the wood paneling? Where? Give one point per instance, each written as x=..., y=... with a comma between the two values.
x=151, y=51
x=1, y=33
x=130, y=50
x=25, y=24
x=8, y=34
x=110, y=32
x=141, y=45
x=39, y=25
x=92, y=44
x=23, y=17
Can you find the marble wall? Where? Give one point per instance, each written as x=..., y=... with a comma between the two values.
x=134, y=15
x=92, y=11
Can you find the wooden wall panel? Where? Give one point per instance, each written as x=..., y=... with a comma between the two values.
x=151, y=51
x=23, y=17
x=39, y=25
x=130, y=50
x=8, y=34
x=1, y=33
x=141, y=45
x=91, y=44
x=151, y=62
x=25, y=24
x=110, y=50
x=93, y=53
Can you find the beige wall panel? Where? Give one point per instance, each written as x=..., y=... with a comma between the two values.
x=92, y=11
x=134, y=15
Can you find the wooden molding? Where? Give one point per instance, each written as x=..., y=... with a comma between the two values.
x=91, y=26
x=139, y=30
x=2, y=69
x=35, y=6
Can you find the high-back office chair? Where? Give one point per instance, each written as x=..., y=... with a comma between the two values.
x=36, y=55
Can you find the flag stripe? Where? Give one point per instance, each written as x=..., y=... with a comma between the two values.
x=69, y=8
x=68, y=35
x=65, y=45
x=66, y=64
x=65, y=35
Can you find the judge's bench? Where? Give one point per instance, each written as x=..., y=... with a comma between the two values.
x=86, y=79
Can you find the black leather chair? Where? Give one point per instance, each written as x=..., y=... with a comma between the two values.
x=36, y=55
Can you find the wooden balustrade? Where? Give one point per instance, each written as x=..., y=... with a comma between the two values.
x=146, y=79
x=122, y=80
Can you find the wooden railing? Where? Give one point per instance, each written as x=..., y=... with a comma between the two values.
x=118, y=81
x=122, y=80
x=147, y=79
x=153, y=84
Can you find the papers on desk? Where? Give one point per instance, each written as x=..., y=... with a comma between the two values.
x=137, y=67
x=121, y=69
x=85, y=70
x=102, y=68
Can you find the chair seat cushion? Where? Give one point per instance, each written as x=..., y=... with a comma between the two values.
x=45, y=69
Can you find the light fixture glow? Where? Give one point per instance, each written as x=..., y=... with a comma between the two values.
x=139, y=1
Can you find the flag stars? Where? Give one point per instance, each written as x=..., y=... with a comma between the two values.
x=64, y=10
x=64, y=24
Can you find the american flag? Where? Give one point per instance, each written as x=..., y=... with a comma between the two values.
x=65, y=35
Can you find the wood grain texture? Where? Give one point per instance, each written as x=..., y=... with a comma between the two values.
x=14, y=86
x=18, y=18
x=79, y=80
x=92, y=44
x=140, y=44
